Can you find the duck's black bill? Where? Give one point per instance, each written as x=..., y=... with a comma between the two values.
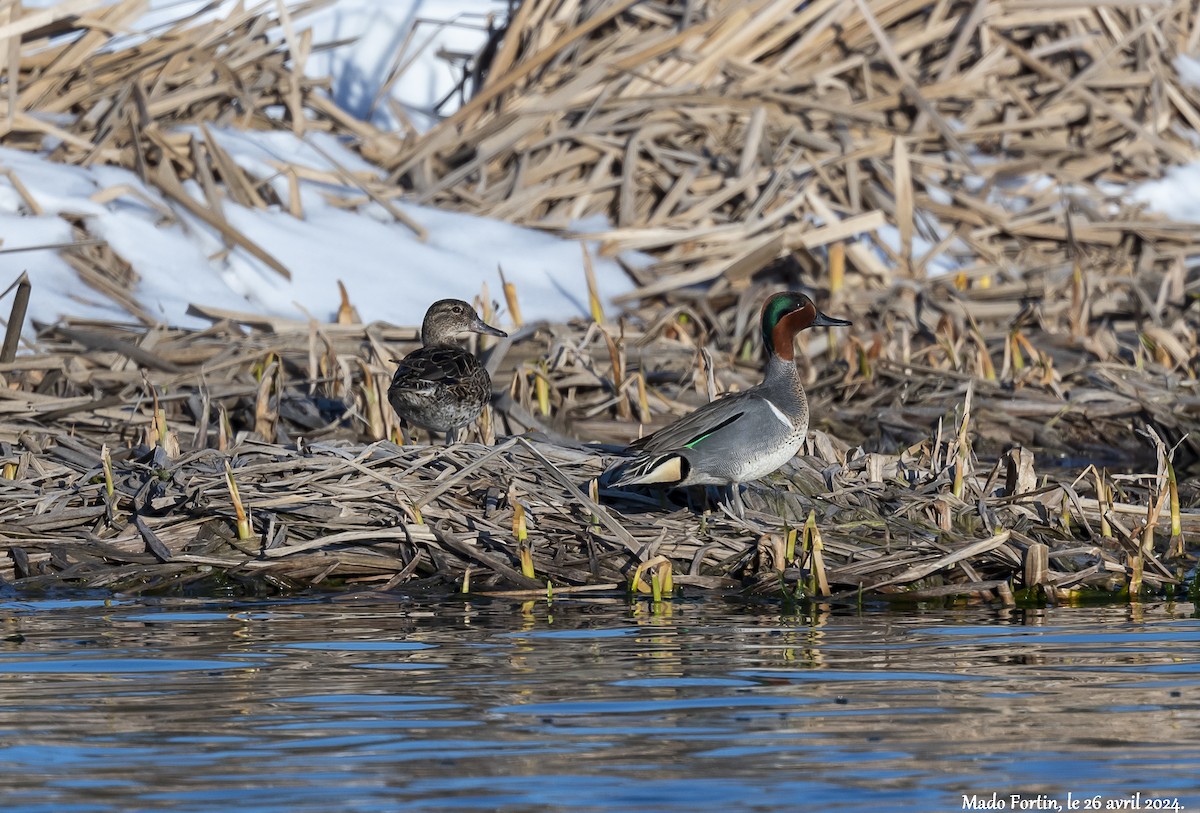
x=828, y=321
x=484, y=327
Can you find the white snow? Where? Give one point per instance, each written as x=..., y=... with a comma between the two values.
x=1176, y=194
x=1188, y=69
x=390, y=274
x=55, y=283
x=408, y=34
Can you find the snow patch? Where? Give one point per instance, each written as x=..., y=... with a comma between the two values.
x=390, y=274
x=1176, y=194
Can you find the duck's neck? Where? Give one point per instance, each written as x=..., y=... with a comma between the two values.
x=435, y=335
x=781, y=371
x=782, y=386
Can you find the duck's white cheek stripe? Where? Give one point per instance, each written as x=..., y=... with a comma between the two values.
x=783, y=418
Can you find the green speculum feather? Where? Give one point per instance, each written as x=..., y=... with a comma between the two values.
x=691, y=444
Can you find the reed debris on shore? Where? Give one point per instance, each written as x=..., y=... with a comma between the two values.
x=1015, y=409
x=140, y=459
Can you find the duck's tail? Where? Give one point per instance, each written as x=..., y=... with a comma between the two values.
x=665, y=469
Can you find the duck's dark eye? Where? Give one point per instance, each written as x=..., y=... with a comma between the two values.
x=458, y=309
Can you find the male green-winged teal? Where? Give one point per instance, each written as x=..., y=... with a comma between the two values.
x=440, y=386
x=743, y=436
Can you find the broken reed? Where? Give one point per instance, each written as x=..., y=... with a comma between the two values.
x=717, y=136
x=921, y=524
x=1083, y=307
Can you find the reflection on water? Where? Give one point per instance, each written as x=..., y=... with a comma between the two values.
x=362, y=703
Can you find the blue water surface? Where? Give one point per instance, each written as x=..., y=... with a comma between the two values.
x=393, y=702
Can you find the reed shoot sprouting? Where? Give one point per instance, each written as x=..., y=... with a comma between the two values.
x=1176, y=549
x=244, y=529
x=106, y=465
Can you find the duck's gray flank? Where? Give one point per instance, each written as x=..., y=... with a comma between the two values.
x=743, y=436
x=440, y=386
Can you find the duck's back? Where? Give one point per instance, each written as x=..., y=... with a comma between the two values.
x=738, y=438
x=440, y=388
x=702, y=423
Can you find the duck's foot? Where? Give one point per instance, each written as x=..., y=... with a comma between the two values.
x=726, y=499
x=735, y=500
x=734, y=507
x=729, y=500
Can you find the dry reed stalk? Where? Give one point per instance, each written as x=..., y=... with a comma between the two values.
x=541, y=128
x=747, y=148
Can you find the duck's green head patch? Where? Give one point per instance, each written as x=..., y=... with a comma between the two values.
x=776, y=309
x=787, y=313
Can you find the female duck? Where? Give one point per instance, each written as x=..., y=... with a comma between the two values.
x=440, y=386
x=743, y=436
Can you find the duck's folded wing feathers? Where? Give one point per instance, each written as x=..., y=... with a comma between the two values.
x=713, y=419
x=431, y=366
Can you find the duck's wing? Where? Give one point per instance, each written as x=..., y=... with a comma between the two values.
x=711, y=445
x=430, y=367
x=724, y=417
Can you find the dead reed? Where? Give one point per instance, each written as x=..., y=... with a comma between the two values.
x=146, y=459
x=995, y=136
x=1024, y=423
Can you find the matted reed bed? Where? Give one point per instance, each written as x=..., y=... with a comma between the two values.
x=138, y=459
x=1021, y=423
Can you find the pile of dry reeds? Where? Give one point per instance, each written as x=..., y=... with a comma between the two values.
x=138, y=459
x=867, y=144
x=846, y=147
x=90, y=93
x=719, y=135
x=871, y=141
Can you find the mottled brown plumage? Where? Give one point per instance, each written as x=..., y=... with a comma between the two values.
x=440, y=386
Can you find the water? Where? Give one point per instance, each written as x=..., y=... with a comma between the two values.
x=363, y=703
